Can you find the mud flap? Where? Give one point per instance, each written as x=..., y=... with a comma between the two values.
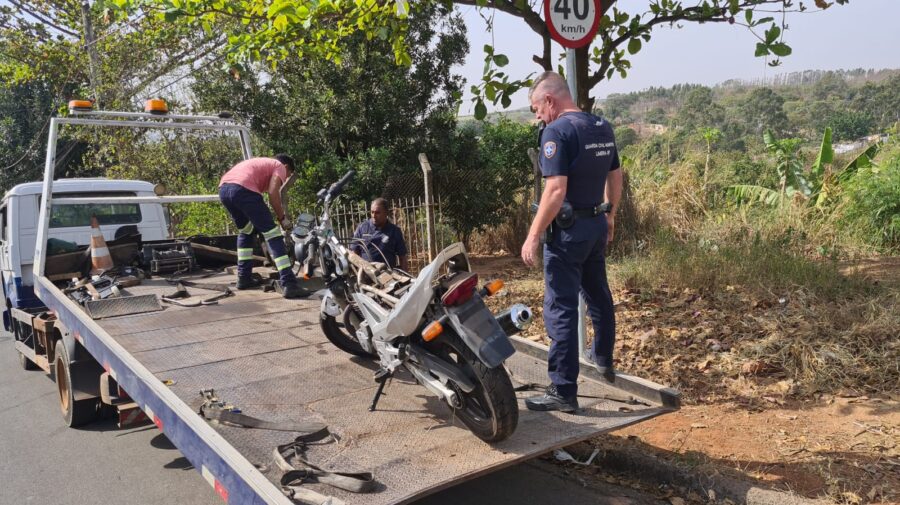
x=477, y=327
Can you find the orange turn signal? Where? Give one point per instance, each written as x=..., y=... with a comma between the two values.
x=432, y=331
x=493, y=286
x=156, y=106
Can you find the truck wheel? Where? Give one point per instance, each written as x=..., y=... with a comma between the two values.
x=26, y=363
x=75, y=412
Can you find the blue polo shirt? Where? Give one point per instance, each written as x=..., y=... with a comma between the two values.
x=582, y=147
x=388, y=239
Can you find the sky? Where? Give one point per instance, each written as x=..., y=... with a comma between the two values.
x=861, y=34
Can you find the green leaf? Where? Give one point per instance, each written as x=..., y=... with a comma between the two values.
x=749, y=15
x=825, y=156
x=490, y=92
x=734, y=6
x=781, y=49
x=772, y=34
x=501, y=60
x=480, y=110
x=505, y=100
x=634, y=45
x=761, y=49
x=763, y=21
x=489, y=49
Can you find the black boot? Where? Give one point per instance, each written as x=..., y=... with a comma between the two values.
x=247, y=283
x=293, y=290
x=607, y=372
x=552, y=400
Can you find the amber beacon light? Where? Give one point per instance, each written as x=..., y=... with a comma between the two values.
x=80, y=105
x=156, y=106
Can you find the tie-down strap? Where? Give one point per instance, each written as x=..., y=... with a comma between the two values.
x=287, y=455
x=216, y=410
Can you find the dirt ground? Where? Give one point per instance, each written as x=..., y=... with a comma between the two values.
x=844, y=447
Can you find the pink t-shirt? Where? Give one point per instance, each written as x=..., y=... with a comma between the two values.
x=255, y=174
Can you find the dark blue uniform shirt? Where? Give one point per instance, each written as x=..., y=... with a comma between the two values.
x=388, y=239
x=582, y=147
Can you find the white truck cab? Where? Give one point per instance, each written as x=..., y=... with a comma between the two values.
x=19, y=213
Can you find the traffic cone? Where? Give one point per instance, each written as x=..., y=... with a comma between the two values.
x=100, y=258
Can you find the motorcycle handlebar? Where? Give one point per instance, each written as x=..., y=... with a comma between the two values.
x=337, y=187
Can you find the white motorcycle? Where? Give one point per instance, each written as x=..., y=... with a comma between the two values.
x=435, y=325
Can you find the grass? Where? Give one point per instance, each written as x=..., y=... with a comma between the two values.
x=762, y=267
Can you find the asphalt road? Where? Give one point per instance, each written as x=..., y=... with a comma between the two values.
x=42, y=461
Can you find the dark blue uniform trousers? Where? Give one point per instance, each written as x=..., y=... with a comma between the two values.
x=574, y=263
x=249, y=211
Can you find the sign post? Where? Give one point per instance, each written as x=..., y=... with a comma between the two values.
x=573, y=23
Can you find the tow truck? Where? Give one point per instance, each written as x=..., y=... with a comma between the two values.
x=254, y=353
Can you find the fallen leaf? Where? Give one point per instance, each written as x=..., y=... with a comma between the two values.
x=676, y=501
x=756, y=367
x=698, y=426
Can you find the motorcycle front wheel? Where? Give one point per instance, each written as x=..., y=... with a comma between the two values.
x=490, y=411
x=336, y=334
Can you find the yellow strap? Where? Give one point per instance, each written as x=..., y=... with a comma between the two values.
x=274, y=232
x=247, y=230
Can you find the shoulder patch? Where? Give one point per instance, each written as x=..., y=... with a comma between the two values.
x=549, y=149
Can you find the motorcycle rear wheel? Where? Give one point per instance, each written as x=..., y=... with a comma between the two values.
x=490, y=411
x=335, y=334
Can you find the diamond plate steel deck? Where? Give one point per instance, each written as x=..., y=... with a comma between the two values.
x=268, y=356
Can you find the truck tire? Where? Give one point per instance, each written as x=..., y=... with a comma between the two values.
x=75, y=412
x=26, y=363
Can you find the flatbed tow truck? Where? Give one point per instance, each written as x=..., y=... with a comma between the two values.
x=268, y=357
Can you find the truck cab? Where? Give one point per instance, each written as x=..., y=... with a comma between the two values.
x=19, y=212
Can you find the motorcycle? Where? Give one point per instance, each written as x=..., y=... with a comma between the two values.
x=435, y=325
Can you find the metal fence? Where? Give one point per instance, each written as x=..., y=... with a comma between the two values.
x=418, y=207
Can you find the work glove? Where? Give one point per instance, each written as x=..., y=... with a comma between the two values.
x=286, y=223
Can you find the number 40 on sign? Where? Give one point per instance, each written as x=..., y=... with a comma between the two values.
x=572, y=23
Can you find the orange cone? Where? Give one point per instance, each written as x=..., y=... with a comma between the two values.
x=100, y=258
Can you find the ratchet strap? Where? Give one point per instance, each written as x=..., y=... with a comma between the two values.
x=216, y=410
x=297, y=469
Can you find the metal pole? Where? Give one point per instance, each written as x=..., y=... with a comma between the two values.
x=572, y=79
x=429, y=203
x=570, y=73
x=40, y=250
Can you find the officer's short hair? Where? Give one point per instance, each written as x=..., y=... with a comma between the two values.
x=381, y=202
x=552, y=83
x=286, y=160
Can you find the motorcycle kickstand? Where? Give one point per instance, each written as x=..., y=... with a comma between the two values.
x=381, y=377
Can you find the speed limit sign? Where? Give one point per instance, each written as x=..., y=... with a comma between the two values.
x=572, y=23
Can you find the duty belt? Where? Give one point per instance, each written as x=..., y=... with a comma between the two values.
x=594, y=211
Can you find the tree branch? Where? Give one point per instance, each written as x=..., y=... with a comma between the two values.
x=43, y=19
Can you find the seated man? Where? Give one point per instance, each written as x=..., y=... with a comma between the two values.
x=379, y=240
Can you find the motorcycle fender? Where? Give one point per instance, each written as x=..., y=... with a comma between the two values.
x=330, y=306
x=477, y=327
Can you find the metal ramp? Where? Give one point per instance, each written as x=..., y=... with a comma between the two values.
x=267, y=356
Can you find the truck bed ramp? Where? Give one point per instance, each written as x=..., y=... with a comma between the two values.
x=268, y=357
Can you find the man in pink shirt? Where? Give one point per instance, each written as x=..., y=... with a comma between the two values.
x=240, y=191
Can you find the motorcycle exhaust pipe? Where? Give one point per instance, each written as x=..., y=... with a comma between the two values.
x=515, y=319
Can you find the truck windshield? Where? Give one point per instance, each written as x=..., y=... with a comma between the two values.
x=70, y=216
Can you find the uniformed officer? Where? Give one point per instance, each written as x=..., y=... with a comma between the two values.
x=580, y=165
x=378, y=239
x=240, y=191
